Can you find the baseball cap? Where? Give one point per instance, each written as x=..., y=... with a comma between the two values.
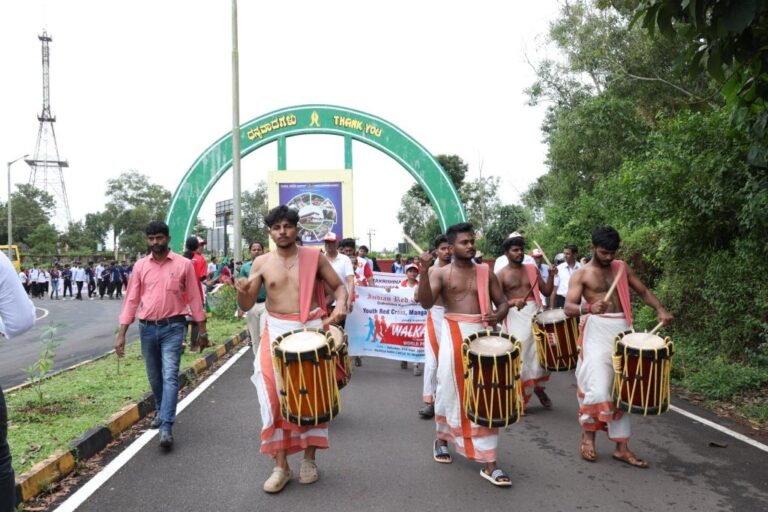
x=410, y=266
x=330, y=237
x=536, y=253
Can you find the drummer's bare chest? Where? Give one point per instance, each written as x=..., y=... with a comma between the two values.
x=514, y=279
x=278, y=278
x=459, y=282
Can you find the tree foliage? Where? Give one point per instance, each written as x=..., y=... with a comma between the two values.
x=254, y=207
x=641, y=143
x=132, y=202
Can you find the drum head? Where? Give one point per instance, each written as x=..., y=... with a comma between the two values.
x=338, y=335
x=551, y=316
x=643, y=341
x=491, y=345
x=302, y=341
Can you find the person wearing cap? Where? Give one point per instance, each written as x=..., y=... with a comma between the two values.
x=411, y=281
x=341, y=264
x=523, y=286
x=538, y=258
x=502, y=260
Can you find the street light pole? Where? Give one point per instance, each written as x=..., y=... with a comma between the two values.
x=236, y=217
x=10, y=222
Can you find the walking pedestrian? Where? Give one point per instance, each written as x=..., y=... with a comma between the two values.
x=160, y=292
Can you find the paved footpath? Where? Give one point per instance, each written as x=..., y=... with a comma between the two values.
x=381, y=459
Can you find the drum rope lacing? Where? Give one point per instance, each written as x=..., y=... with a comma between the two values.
x=659, y=378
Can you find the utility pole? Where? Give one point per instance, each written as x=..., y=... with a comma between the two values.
x=236, y=218
x=370, y=233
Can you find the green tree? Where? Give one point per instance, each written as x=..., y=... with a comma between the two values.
x=728, y=39
x=32, y=207
x=456, y=169
x=200, y=229
x=510, y=217
x=132, y=202
x=418, y=220
x=481, y=201
x=43, y=239
x=255, y=206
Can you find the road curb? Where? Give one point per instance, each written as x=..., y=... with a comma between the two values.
x=60, y=464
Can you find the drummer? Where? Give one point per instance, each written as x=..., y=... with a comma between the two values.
x=523, y=286
x=295, y=295
x=465, y=288
x=601, y=322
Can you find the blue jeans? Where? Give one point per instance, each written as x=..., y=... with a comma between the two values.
x=161, y=347
x=7, y=479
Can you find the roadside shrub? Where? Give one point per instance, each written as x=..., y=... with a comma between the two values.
x=224, y=302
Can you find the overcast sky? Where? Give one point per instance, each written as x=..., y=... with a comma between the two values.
x=146, y=85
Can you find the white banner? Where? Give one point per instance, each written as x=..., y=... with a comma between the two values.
x=386, y=324
x=387, y=279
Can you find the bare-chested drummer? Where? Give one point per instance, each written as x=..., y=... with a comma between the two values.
x=523, y=285
x=465, y=288
x=291, y=276
x=432, y=328
x=601, y=322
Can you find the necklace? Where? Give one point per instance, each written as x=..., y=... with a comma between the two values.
x=289, y=267
x=469, y=288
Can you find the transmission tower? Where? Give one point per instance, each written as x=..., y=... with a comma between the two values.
x=46, y=166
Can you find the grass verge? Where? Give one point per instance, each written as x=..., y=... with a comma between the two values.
x=85, y=397
x=737, y=389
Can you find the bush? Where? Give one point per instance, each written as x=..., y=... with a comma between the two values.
x=223, y=303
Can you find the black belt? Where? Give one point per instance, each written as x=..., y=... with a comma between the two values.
x=178, y=319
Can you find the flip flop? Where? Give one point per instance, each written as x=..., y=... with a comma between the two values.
x=584, y=447
x=544, y=399
x=632, y=460
x=277, y=480
x=440, y=453
x=494, y=477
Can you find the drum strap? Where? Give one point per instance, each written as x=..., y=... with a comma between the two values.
x=309, y=260
x=483, y=293
x=622, y=288
x=533, y=277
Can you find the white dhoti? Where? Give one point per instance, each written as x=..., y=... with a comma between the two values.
x=519, y=324
x=434, y=325
x=277, y=433
x=256, y=319
x=471, y=440
x=594, y=376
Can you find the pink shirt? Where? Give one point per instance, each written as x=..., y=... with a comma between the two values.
x=159, y=290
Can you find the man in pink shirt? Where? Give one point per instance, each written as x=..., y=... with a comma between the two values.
x=162, y=290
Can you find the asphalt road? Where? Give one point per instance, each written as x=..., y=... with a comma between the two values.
x=88, y=329
x=381, y=459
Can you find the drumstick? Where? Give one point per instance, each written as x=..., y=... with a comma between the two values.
x=613, y=285
x=414, y=244
x=658, y=326
x=543, y=254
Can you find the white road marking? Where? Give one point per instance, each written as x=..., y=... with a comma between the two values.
x=724, y=430
x=113, y=467
x=45, y=314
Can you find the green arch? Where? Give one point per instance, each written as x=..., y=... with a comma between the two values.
x=275, y=126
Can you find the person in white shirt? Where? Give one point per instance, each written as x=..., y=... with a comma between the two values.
x=342, y=265
x=538, y=258
x=42, y=282
x=502, y=261
x=78, y=276
x=24, y=280
x=564, y=272
x=17, y=315
x=34, y=272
